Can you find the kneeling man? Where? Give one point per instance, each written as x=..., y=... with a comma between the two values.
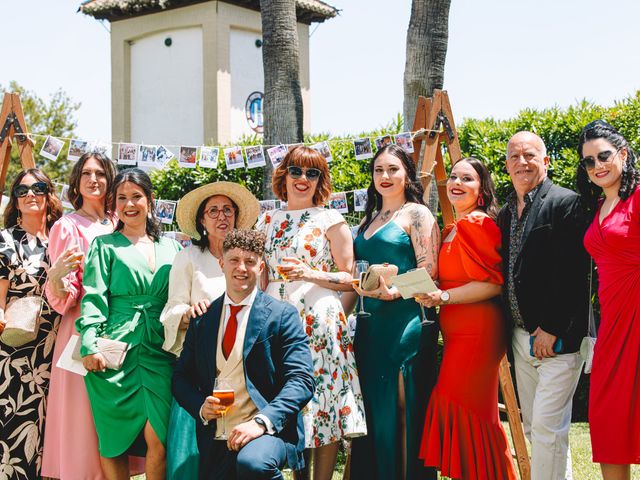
x=258, y=344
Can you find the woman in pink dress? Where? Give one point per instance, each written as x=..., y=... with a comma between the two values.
x=70, y=441
x=608, y=165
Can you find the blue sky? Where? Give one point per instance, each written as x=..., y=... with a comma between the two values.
x=503, y=56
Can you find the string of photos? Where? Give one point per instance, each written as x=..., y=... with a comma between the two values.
x=150, y=157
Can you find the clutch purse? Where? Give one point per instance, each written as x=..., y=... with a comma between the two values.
x=22, y=317
x=113, y=351
x=371, y=278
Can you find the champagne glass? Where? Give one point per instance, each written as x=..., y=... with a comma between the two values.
x=423, y=315
x=359, y=269
x=223, y=391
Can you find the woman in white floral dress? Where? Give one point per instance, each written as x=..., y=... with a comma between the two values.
x=24, y=371
x=311, y=247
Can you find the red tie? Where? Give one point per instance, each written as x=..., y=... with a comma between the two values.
x=230, y=332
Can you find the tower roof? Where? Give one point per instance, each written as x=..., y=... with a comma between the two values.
x=307, y=11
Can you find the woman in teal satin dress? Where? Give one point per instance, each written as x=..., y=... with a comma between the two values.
x=395, y=353
x=126, y=278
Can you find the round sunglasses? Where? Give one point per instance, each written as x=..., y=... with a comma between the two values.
x=310, y=173
x=38, y=188
x=606, y=156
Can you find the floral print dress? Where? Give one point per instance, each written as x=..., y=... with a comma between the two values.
x=24, y=371
x=336, y=410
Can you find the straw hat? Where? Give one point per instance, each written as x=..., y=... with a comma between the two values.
x=248, y=206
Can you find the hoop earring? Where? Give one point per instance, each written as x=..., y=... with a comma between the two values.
x=480, y=201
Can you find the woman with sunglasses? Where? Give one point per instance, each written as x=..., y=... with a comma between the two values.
x=397, y=228
x=70, y=426
x=608, y=165
x=309, y=254
x=24, y=371
x=126, y=280
x=206, y=214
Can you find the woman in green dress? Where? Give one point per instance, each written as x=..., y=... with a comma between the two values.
x=395, y=353
x=126, y=283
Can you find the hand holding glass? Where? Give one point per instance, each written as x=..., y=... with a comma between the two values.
x=223, y=391
x=359, y=269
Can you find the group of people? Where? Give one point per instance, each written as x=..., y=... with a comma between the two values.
x=259, y=306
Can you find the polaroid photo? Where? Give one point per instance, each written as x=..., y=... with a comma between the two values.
x=403, y=140
x=52, y=148
x=233, y=157
x=281, y=204
x=255, y=156
x=102, y=148
x=209, y=157
x=323, y=149
x=147, y=156
x=363, y=148
x=188, y=157
x=64, y=198
x=165, y=210
x=277, y=154
x=163, y=155
x=267, y=205
x=127, y=153
x=182, y=238
x=359, y=200
x=338, y=201
x=77, y=148
x=382, y=142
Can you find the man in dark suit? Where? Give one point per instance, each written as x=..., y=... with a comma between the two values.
x=257, y=344
x=546, y=300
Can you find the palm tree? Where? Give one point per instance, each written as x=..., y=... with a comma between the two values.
x=282, y=93
x=427, y=38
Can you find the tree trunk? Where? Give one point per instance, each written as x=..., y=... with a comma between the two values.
x=427, y=38
x=282, y=93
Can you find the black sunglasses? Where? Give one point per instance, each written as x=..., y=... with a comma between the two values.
x=38, y=188
x=603, y=157
x=310, y=173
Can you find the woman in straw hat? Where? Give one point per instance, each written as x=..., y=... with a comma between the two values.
x=206, y=214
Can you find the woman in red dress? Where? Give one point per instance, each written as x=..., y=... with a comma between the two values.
x=462, y=434
x=607, y=164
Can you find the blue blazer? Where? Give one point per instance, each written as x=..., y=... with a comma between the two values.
x=277, y=366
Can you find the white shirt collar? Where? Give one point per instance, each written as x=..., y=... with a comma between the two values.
x=248, y=300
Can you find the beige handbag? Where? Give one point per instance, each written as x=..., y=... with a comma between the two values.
x=371, y=278
x=22, y=317
x=113, y=351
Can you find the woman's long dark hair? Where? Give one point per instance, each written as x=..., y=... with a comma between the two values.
x=141, y=179
x=630, y=175
x=487, y=188
x=54, y=206
x=413, y=190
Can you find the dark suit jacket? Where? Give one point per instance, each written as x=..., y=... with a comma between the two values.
x=277, y=365
x=551, y=271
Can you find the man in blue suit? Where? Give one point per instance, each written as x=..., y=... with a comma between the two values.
x=257, y=344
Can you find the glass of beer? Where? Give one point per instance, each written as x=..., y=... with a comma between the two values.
x=359, y=269
x=283, y=274
x=223, y=391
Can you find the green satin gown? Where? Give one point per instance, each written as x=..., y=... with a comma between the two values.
x=122, y=301
x=390, y=341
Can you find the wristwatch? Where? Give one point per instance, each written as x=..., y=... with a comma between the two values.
x=261, y=422
x=444, y=296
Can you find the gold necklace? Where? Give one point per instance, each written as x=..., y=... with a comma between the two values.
x=103, y=221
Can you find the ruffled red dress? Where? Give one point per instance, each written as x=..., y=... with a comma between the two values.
x=462, y=434
x=614, y=395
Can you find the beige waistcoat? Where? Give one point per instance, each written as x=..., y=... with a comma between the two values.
x=243, y=408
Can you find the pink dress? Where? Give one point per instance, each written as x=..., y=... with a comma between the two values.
x=70, y=441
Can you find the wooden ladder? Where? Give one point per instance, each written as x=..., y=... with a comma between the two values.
x=12, y=124
x=436, y=129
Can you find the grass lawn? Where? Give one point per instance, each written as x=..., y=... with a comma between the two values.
x=583, y=468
